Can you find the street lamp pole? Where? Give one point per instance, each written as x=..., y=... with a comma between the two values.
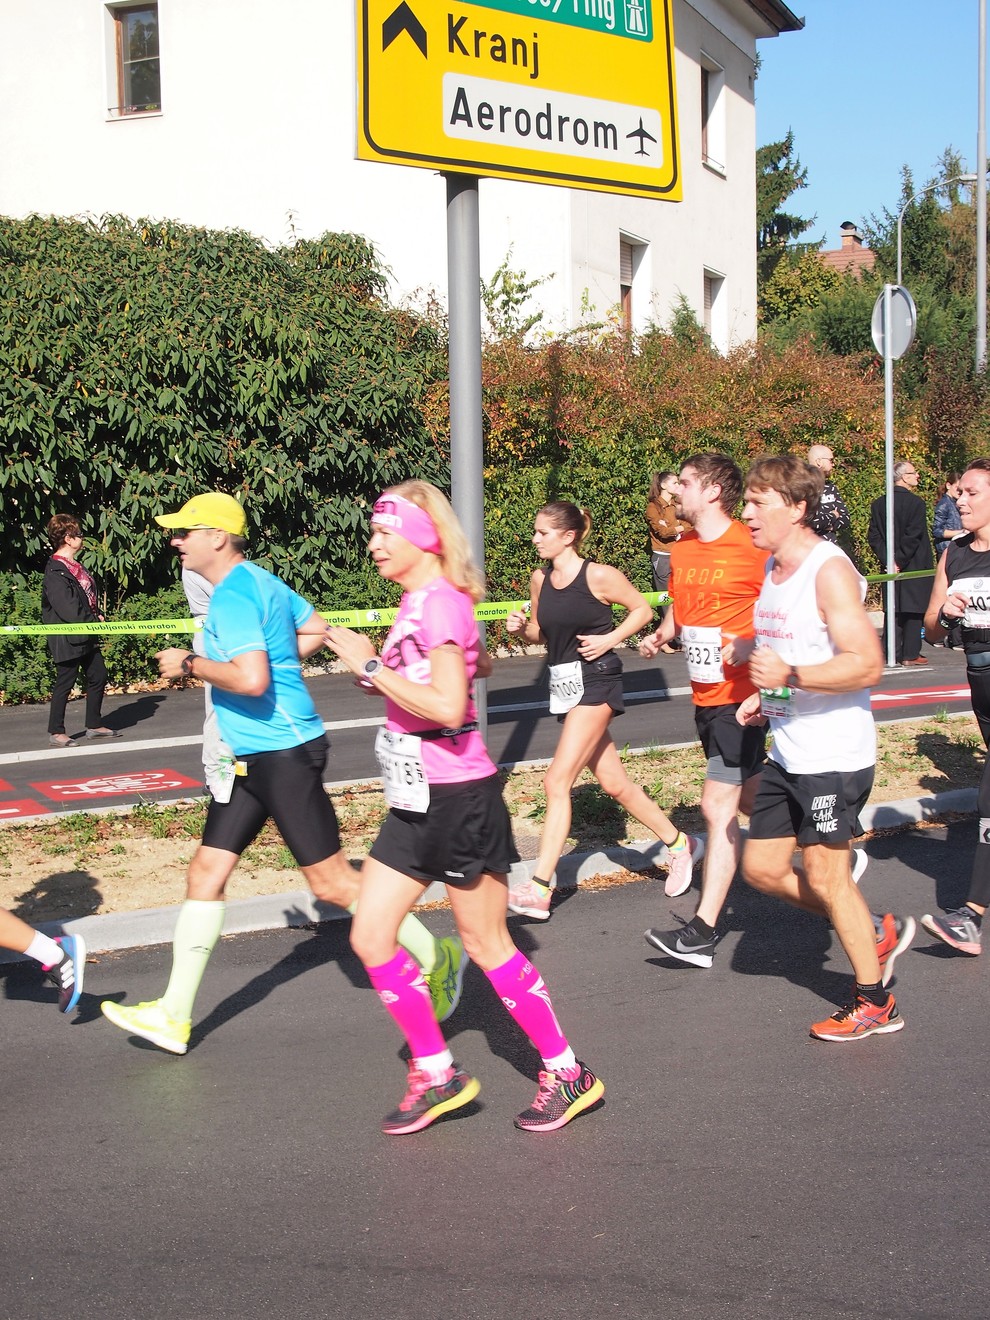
x=932, y=187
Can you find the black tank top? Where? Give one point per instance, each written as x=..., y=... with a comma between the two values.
x=564, y=613
x=962, y=561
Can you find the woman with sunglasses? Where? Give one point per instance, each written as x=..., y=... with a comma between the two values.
x=447, y=820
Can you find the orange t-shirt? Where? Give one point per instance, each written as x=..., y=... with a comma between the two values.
x=714, y=584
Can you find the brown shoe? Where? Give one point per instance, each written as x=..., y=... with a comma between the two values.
x=918, y=660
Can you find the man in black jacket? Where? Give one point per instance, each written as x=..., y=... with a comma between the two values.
x=912, y=552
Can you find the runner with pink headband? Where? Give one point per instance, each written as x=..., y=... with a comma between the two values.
x=409, y=520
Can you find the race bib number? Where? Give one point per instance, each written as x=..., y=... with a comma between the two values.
x=400, y=756
x=703, y=649
x=776, y=702
x=977, y=593
x=566, y=687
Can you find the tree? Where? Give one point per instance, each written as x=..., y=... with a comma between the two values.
x=779, y=174
x=799, y=283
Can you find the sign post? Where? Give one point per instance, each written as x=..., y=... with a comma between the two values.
x=895, y=320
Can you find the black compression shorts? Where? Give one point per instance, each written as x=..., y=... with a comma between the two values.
x=288, y=787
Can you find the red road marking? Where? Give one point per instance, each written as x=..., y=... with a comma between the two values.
x=919, y=696
x=5, y=787
x=100, y=786
x=23, y=807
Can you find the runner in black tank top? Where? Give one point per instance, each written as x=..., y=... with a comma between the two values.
x=571, y=612
x=961, y=592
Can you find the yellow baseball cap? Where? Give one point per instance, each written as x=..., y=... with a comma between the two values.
x=211, y=509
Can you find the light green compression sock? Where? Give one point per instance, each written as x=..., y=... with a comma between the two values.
x=196, y=933
x=416, y=940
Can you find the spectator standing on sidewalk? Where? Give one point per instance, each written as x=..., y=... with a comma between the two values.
x=68, y=595
x=666, y=527
x=912, y=553
x=832, y=521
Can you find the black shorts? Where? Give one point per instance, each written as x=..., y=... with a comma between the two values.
x=288, y=787
x=821, y=808
x=602, y=685
x=735, y=752
x=465, y=832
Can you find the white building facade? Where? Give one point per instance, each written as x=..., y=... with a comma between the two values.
x=241, y=114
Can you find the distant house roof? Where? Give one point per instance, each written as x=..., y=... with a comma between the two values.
x=777, y=15
x=852, y=256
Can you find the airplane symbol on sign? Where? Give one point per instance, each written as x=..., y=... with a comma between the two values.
x=404, y=20
x=643, y=136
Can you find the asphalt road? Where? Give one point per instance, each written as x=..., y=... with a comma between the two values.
x=736, y=1169
x=158, y=756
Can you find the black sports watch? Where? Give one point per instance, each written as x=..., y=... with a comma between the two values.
x=187, y=664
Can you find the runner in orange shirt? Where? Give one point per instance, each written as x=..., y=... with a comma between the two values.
x=715, y=578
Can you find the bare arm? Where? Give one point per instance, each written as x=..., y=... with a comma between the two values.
x=311, y=636
x=443, y=700
x=940, y=601
x=614, y=588
x=519, y=623
x=248, y=675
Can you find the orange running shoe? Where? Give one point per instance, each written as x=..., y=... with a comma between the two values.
x=858, y=1020
x=894, y=935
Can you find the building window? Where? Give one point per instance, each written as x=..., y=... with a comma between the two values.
x=712, y=114
x=139, y=82
x=634, y=277
x=715, y=313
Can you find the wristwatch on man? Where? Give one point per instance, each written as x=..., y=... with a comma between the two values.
x=187, y=664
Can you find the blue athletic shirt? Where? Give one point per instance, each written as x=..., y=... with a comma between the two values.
x=251, y=610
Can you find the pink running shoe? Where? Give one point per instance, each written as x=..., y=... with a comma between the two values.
x=530, y=900
x=680, y=866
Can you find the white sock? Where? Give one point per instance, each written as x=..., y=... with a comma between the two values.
x=44, y=950
x=436, y=1066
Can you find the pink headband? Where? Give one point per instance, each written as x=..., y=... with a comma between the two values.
x=409, y=520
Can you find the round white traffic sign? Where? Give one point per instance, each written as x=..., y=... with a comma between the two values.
x=903, y=322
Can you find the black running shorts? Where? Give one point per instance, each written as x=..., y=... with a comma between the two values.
x=602, y=685
x=465, y=833
x=288, y=787
x=820, y=808
x=735, y=752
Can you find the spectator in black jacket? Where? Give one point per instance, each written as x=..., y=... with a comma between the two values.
x=831, y=522
x=69, y=596
x=912, y=553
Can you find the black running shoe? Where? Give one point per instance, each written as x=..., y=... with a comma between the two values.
x=687, y=944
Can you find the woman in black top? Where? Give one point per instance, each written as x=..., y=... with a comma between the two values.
x=68, y=595
x=961, y=599
x=571, y=611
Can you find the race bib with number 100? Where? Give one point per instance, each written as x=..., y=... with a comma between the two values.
x=566, y=687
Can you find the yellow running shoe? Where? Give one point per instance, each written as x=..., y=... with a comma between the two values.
x=447, y=978
x=150, y=1021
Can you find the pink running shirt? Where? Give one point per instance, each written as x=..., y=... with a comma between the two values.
x=433, y=616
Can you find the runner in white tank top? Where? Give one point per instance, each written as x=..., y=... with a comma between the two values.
x=815, y=657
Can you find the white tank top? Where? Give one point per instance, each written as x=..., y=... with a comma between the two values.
x=820, y=732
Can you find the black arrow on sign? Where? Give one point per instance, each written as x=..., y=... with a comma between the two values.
x=404, y=20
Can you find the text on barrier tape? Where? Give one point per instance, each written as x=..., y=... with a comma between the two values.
x=487, y=611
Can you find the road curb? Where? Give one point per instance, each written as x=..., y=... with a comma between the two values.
x=150, y=926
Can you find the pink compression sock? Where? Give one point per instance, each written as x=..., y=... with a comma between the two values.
x=521, y=989
x=402, y=988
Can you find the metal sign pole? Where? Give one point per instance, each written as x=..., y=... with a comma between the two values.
x=464, y=336
x=888, y=412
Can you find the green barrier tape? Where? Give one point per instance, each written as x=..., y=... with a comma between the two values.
x=488, y=611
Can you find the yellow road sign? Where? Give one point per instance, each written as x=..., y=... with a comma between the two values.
x=574, y=92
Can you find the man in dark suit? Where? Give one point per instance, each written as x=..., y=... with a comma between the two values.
x=912, y=552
